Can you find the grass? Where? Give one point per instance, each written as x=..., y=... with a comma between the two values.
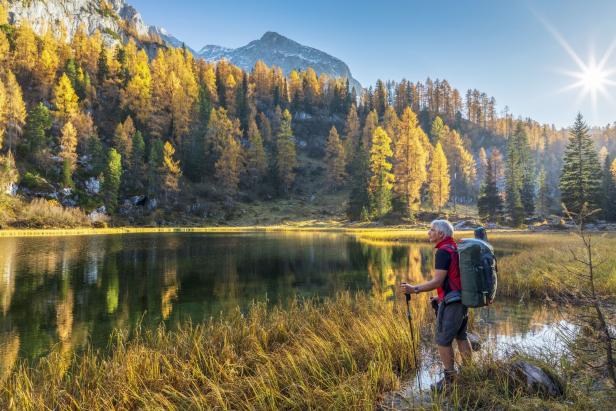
x=336, y=354
x=496, y=385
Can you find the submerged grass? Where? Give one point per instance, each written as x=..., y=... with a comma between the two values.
x=342, y=353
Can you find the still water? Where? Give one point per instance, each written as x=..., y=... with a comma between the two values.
x=72, y=291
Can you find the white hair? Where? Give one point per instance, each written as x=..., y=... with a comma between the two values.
x=444, y=227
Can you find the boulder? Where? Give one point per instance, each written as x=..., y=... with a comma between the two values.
x=475, y=341
x=535, y=379
x=466, y=225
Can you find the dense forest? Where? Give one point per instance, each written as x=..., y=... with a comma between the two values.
x=118, y=130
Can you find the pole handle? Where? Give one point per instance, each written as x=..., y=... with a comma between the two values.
x=407, y=296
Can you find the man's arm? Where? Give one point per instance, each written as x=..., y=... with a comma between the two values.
x=435, y=282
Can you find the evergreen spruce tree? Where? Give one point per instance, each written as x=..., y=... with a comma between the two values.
x=580, y=181
x=335, y=159
x=381, y=178
x=113, y=178
x=352, y=134
x=543, y=196
x=490, y=203
x=256, y=158
x=136, y=175
x=514, y=177
x=359, y=173
x=286, y=160
x=38, y=123
x=608, y=191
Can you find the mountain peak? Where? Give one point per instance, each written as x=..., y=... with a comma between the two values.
x=272, y=36
x=275, y=49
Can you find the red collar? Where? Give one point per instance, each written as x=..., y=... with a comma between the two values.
x=445, y=241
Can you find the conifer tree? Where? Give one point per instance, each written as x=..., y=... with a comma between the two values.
x=391, y=124
x=543, y=195
x=410, y=161
x=123, y=141
x=438, y=180
x=608, y=191
x=15, y=111
x=228, y=167
x=580, y=181
x=25, y=52
x=220, y=131
x=38, y=123
x=514, y=179
x=3, y=112
x=359, y=173
x=113, y=178
x=438, y=131
x=5, y=49
x=527, y=167
x=352, y=134
x=137, y=95
x=136, y=176
x=265, y=127
x=9, y=175
x=490, y=203
x=286, y=160
x=171, y=173
x=381, y=178
x=335, y=158
x=256, y=159
x=370, y=124
x=68, y=152
x=65, y=99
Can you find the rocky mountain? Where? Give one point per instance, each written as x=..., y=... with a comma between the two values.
x=119, y=21
x=115, y=19
x=275, y=49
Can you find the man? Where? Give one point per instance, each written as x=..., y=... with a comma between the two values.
x=452, y=316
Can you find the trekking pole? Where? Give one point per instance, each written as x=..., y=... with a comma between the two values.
x=408, y=315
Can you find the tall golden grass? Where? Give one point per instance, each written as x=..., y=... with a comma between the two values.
x=341, y=353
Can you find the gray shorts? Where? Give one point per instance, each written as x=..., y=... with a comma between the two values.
x=451, y=323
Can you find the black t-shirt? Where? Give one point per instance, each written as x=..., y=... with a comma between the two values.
x=442, y=260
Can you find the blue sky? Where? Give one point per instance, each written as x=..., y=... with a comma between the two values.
x=503, y=48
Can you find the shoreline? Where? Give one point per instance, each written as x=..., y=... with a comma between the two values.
x=51, y=232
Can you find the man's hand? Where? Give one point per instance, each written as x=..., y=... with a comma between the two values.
x=408, y=288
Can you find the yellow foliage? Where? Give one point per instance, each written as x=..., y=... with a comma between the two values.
x=411, y=160
x=438, y=185
x=65, y=99
x=68, y=143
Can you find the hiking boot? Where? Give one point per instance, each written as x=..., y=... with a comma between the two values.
x=444, y=383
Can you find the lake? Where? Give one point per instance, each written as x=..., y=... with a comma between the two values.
x=72, y=291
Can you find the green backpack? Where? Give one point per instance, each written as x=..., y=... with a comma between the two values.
x=478, y=272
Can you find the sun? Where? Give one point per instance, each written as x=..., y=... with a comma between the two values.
x=591, y=78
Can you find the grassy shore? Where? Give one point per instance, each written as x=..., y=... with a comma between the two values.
x=337, y=354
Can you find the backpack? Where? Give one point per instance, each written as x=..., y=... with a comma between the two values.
x=478, y=272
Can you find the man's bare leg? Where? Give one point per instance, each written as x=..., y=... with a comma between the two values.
x=446, y=354
x=466, y=351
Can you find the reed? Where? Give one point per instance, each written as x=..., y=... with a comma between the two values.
x=341, y=353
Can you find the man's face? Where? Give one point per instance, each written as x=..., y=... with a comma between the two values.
x=433, y=235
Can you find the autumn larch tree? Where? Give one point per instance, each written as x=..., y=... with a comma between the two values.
x=381, y=178
x=68, y=153
x=113, y=178
x=410, y=161
x=438, y=179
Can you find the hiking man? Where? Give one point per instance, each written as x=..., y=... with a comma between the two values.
x=452, y=316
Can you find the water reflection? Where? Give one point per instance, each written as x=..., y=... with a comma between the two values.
x=58, y=294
